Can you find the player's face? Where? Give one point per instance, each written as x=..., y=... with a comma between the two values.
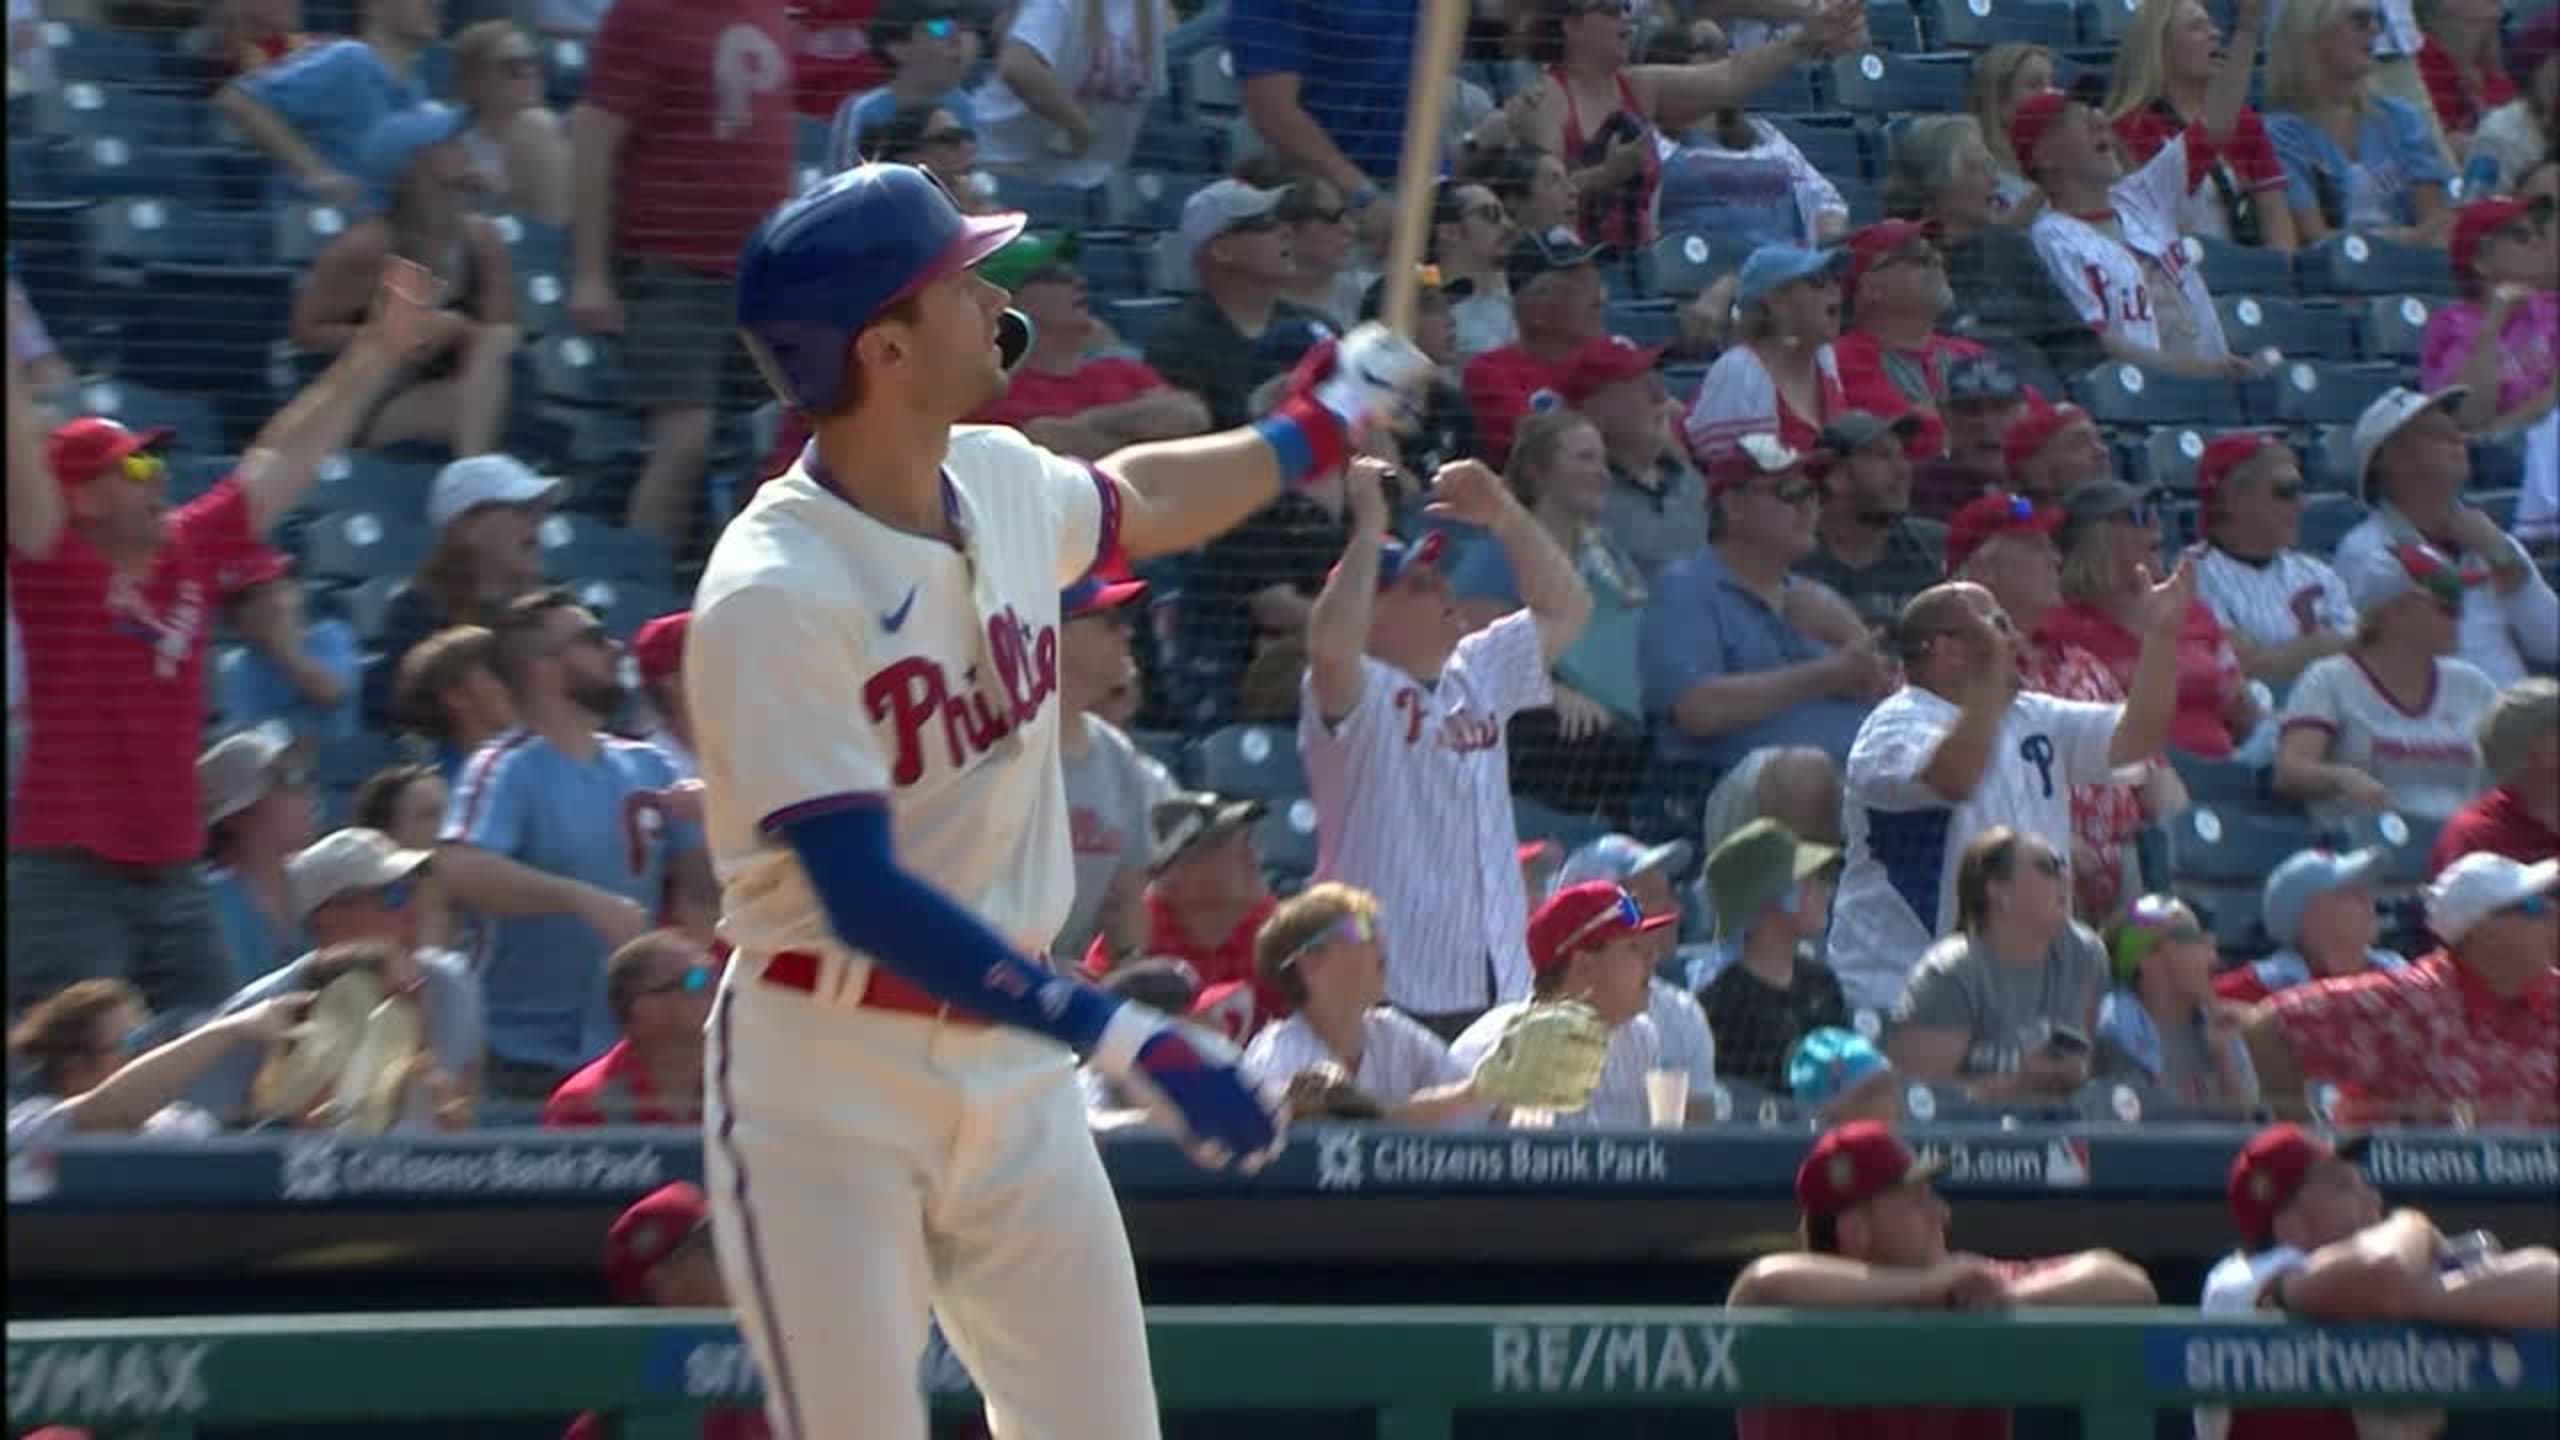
x=955, y=365
x=1906, y=1225
x=689, y=1276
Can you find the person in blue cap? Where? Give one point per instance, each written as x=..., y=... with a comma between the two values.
x=1779, y=378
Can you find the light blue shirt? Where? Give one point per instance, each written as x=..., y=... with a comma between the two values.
x=331, y=94
x=871, y=107
x=542, y=976
x=256, y=690
x=253, y=942
x=1702, y=624
x=2395, y=152
x=1601, y=662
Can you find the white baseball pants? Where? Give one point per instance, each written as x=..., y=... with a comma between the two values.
x=867, y=1168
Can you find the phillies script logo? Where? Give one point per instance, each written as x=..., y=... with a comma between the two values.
x=1461, y=733
x=916, y=695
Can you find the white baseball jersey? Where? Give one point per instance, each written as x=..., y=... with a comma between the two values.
x=2498, y=633
x=1898, y=890
x=1398, y=1058
x=2241, y=1283
x=2122, y=283
x=2275, y=603
x=1413, y=804
x=1680, y=1025
x=2429, y=759
x=835, y=661
x=1618, y=1103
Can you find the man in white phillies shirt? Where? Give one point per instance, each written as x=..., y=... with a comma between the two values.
x=2412, y=462
x=1325, y=952
x=1590, y=942
x=2316, y=1246
x=1646, y=871
x=2111, y=241
x=1401, y=730
x=2281, y=607
x=1961, y=748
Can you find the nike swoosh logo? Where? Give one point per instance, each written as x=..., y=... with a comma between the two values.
x=895, y=618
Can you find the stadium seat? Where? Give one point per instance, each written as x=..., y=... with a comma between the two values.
x=235, y=318
x=2300, y=330
x=577, y=369
x=2167, y=456
x=1981, y=24
x=142, y=116
x=2393, y=327
x=347, y=762
x=2233, y=912
x=2120, y=394
x=1874, y=83
x=303, y=230
x=1534, y=820
x=1114, y=264
x=1152, y=199
x=1829, y=146
x=49, y=244
x=1051, y=207
x=2220, y=783
x=2326, y=519
x=2104, y=21
x=2309, y=393
x=364, y=603
x=1260, y=761
x=1894, y=26
x=585, y=548
x=360, y=545
x=192, y=474
x=141, y=407
x=2232, y=270
x=1167, y=141
x=624, y=606
x=1166, y=748
x=2237, y=845
x=1286, y=837
x=96, y=52
x=2369, y=265
x=564, y=72
x=2497, y=462
x=1683, y=265
x=1135, y=319
x=1646, y=322
x=1209, y=84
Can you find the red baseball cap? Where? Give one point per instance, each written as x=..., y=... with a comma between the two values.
x=1880, y=241
x=656, y=1226
x=1854, y=1162
x=81, y=450
x=1598, y=364
x=2029, y=123
x=1998, y=513
x=2034, y=430
x=2269, y=1171
x=1579, y=917
x=2472, y=224
x=1749, y=458
x=658, y=647
x=2224, y=454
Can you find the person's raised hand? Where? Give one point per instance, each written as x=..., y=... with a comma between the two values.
x=2165, y=602
x=1364, y=493
x=1469, y=492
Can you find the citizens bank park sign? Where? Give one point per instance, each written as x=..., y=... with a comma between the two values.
x=1350, y=1159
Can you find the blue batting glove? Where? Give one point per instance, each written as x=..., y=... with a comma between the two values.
x=1193, y=1084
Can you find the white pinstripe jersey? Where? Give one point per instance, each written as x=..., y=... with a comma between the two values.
x=836, y=661
x=1898, y=891
x=1397, y=1056
x=1680, y=1025
x=2293, y=595
x=1618, y=1103
x=1413, y=805
x=2109, y=281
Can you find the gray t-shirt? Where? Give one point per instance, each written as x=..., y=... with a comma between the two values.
x=456, y=1029
x=1110, y=789
x=2006, y=1012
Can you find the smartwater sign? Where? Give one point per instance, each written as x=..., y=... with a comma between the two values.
x=713, y=1366
x=2352, y=1364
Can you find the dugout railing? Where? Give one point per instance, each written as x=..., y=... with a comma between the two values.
x=1411, y=1369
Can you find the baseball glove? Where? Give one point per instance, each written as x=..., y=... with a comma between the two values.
x=1549, y=1058
x=1324, y=1092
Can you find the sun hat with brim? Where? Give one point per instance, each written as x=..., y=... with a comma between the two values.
x=1772, y=267
x=81, y=450
x=1854, y=1163
x=1028, y=259
x=1620, y=858
x=1182, y=823
x=477, y=480
x=1754, y=867
x=2387, y=416
x=2480, y=885
x=396, y=140
x=2305, y=876
x=344, y=861
x=237, y=771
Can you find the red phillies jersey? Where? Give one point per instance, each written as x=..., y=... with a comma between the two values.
x=831, y=54
x=2495, y=822
x=1215, y=961
x=1890, y=382
x=615, y=1089
x=115, y=685
x=1034, y=396
x=705, y=86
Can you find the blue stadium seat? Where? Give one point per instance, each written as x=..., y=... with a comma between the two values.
x=2497, y=463
x=97, y=53
x=1051, y=207
x=1286, y=837
x=1893, y=25
x=1794, y=90
x=364, y=603
x=133, y=231
x=141, y=115
x=1683, y=265
x=2220, y=784
x=2233, y=270
x=1135, y=319
x=2309, y=393
x=1646, y=322
x=359, y=545
x=1828, y=145
x=191, y=474
x=1865, y=201
x=344, y=763
x=2393, y=326
x=577, y=369
x=234, y=319
x=1152, y=199
x=564, y=72
x=585, y=548
x=1534, y=820
x=2237, y=845
x=1981, y=24
x=140, y=407
x=1260, y=761
x=626, y=605
x=302, y=230
x=2326, y=519
x=1167, y=141
x=1875, y=83
x=2104, y=21
x=2166, y=457
x=2233, y=912
x=1166, y=748
x=1114, y=264
x=2119, y=394
x=1209, y=84
x=364, y=480
x=2301, y=329
x=2369, y=265
x=533, y=245
x=49, y=245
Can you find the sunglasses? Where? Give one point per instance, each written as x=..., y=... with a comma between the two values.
x=2286, y=492
x=1261, y=224
x=1795, y=493
x=2531, y=907
x=1348, y=930
x=143, y=468
x=1313, y=216
x=2141, y=516
x=1490, y=214
x=693, y=981
x=941, y=27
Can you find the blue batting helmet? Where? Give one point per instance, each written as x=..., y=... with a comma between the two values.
x=826, y=264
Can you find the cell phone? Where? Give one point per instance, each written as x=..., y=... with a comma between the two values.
x=2066, y=1043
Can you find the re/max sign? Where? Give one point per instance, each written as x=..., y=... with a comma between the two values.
x=1643, y=1359
x=133, y=1380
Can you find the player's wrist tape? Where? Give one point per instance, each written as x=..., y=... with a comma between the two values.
x=1308, y=439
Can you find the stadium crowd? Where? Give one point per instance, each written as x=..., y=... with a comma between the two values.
x=2027, y=593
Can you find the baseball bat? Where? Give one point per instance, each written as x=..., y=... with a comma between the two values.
x=1439, y=27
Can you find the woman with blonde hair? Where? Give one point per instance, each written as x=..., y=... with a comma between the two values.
x=518, y=146
x=1780, y=376
x=2110, y=545
x=488, y=512
x=2354, y=158
x=1587, y=753
x=2002, y=76
x=2164, y=61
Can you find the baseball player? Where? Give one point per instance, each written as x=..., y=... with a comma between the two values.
x=893, y=1123
x=1962, y=748
x=1402, y=726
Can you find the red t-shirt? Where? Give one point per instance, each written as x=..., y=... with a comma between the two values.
x=2458, y=106
x=1033, y=395
x=613, y=1089
x=2495, y=822
x=115, y=685
x=1499, y=385
x=2426, y=1037
x=831, y=54
x=1883, y=382
x=1230, y=957
x=2208, y=672
x=705, y=86
x=2249, y=154
x=1884, y=1422
x=2243, y=986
